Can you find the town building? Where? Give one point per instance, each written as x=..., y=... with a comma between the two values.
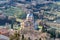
x=4, y=31
x=29, y=22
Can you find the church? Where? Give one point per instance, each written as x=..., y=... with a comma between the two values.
x=29, y=22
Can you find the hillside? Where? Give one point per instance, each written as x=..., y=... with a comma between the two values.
x=12, y=7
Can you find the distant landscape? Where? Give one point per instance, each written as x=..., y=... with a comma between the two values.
x=30, y=19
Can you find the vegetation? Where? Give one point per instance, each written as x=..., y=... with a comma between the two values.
x=12, y=24
x=52, y=32
x=16, y=36
x=15, y=11
x=58, y=34
x=19, y=13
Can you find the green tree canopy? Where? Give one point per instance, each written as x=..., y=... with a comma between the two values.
x=15, y=11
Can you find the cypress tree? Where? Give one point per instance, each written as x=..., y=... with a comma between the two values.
x=29, y=38
x=22, y=37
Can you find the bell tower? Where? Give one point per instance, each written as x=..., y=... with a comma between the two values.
x=29, y=22
x=30, y=19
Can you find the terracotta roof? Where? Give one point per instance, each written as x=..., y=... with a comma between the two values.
x=4, y=31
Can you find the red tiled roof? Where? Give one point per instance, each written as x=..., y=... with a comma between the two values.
x=4, y=31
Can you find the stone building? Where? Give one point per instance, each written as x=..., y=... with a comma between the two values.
x=29, y=22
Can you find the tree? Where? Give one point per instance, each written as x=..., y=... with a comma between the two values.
x=12, y=24
x=22, y=37
x=15, y=11
x=39, y=38
x=52, y=31
x=58, y=34
x=43, y=29
x=29, y=38
x=16, y=36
